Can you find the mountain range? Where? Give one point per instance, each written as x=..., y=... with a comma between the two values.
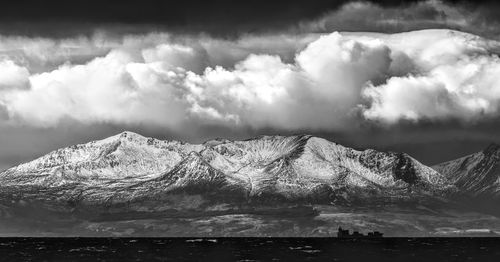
x=130, y=174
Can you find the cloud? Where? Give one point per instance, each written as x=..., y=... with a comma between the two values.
x=108, y=89
x=329, y=82
x=318, y=91
x=175, y=55
x=417, y=15
x=457, y=77
x=466, y=90
x=12, y=76
x=172, y=85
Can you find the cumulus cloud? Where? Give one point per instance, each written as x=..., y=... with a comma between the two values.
x=318, y=91
x=456, y=77
x=171, y=84
x=467, y=90
x=13, y=75
x=311, y=82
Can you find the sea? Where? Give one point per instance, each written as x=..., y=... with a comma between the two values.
x=249, y=249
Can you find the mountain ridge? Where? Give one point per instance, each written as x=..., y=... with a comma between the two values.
x=127, y=167
x=130, y=179
x=476, y=174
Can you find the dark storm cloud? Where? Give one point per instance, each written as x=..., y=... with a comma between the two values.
x=175, y=13
x=478, y=17
x=218, y=17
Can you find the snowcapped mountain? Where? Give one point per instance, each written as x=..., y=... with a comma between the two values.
x=124, y=156
x=477, y=174
x=129, y=167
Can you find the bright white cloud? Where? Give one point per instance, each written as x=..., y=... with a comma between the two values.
x=13, y=75
x=455, y=76
x=311, y=82
x=175, y=55
x=467, y=90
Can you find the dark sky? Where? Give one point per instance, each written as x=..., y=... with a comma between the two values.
x=172, y=13
x=431, y=141
x=217, y=17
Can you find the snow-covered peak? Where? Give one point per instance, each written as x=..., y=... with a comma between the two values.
x=298, y=166
x=125, y=135
x=477, y=174
x=124, y=154
x=134, y=139
x=216, y=141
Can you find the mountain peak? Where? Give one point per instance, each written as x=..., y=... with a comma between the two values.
x=277, y=137
x=124, y=136
x=217, y=141
x=291, y=167
x=129, y=135
x=491, y=149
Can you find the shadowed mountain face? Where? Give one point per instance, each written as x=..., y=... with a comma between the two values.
x=129, y=177
x=477, y=175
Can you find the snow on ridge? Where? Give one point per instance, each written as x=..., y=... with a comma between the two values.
x=289, y=165
x=475, y=174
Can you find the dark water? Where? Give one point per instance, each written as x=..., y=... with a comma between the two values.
x=249, y=249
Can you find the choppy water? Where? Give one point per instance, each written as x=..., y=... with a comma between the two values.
x=249, y=249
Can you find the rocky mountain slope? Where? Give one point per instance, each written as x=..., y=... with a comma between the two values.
x=128, y=168
x=477, y=175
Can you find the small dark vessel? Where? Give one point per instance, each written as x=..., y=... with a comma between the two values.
x=344, y=233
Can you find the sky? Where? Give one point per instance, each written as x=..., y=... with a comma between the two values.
x=421, y=77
